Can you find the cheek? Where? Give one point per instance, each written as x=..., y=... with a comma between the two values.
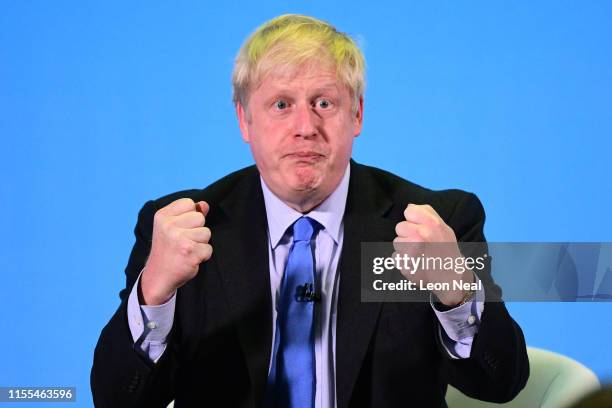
x=260, y=152
x=344, y=143
x=266, y=151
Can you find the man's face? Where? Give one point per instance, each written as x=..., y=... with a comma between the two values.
x=300, y=128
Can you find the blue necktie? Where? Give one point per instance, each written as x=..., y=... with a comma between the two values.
x=292, y=376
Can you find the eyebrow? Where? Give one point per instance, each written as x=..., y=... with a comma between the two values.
x=321, y=89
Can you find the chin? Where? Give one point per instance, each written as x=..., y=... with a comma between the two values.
x=306, y=178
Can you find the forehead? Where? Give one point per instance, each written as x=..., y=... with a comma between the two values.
x=300, y=79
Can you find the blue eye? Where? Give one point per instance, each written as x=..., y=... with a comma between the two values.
x=280, y=105
x=324, y=103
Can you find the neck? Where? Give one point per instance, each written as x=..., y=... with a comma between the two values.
x=306, y=202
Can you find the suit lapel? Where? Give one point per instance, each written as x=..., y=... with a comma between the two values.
x=364, y=221
x=241, y=249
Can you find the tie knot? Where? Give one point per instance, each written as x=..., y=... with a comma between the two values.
x=303, y=229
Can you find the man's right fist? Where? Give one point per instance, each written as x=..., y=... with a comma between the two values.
x=180, y=244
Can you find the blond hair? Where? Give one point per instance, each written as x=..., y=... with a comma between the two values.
x=291, y=41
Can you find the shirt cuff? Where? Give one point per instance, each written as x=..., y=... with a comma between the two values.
x=460, y=324
x=150, y=325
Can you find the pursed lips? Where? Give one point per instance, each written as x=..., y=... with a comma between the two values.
x=305, y=158
x=305, y=154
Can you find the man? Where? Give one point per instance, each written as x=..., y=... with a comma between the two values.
x=273, y=317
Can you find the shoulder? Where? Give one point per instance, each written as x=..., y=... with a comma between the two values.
x=399, y=189
x=460, y=209
x=213, y=194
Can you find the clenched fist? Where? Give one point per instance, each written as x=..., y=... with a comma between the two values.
x=180, y=244
x=425, y=234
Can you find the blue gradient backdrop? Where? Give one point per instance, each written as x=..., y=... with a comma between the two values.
x=106, y=105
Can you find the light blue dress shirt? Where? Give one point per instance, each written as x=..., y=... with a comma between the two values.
x=150, y=325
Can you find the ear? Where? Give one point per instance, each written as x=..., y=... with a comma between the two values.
x=358, y=118
x=243, y=122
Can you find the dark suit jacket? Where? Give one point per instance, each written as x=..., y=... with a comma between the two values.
x=388, y=354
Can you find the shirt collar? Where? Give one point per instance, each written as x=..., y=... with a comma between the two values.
x=329, y=213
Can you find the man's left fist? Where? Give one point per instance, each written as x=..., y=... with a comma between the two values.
x=423, y=225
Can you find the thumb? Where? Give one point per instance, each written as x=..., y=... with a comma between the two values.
x=203, y=207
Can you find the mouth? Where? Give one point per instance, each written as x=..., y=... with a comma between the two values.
x=305, y=156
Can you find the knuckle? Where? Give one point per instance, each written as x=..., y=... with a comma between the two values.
x=421, y=234
x=424, y=233
x=160, y=226
x=180, y=205
x=158, y=216
x=166, y=226
x=173, y=233
x=185, y=200
x=186, y=248
x=195, y=262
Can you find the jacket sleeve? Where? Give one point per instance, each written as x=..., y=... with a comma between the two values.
x=121, y=375
x=498, y=367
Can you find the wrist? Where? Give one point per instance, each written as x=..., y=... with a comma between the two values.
x=150, y=294
x=457, y=298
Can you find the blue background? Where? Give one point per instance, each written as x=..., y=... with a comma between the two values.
x=106, y=105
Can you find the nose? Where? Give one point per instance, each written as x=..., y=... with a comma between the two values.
x=305, y=121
